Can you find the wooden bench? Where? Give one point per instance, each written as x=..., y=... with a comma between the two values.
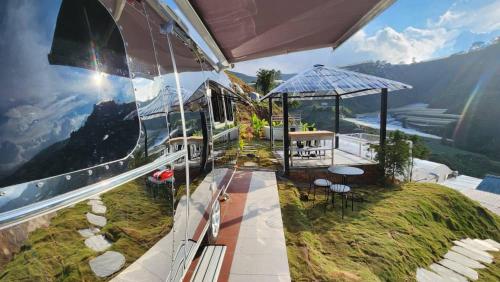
x=210, y=263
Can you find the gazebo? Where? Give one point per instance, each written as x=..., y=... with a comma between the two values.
x=322, y=82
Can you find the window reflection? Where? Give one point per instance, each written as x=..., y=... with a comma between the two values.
x=66, y=101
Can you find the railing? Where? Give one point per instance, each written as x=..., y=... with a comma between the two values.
x=359, y=144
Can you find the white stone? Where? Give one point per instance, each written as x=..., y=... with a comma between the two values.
x=449, y=274
x=424, y=275
x=471, y=254
x=100, y=209
x=97, y=243
x=96, y=219
x=459, y=268
x=493, y=243
x=107, y=263
x=487, y=246
x=478, y=244
x=472, y=248
x=250, y=164
x=463, y=260
x=88, y=232
x=95, y=197
x=95, y=202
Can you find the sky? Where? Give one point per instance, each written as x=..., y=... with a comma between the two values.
x=408, y=31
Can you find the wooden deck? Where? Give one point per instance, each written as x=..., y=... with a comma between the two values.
x=341, y=158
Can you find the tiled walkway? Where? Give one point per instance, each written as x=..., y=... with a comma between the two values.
x=253, y=230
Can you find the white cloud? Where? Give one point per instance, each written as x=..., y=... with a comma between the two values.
x=462, y=15
x=392, y=46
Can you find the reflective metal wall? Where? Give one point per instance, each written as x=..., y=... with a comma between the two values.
x=91, y=104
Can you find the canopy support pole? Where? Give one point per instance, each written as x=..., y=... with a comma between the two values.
x=337, y=120
x=286, y=138
x=271, y=137
x=383, y=126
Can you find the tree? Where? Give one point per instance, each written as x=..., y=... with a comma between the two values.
x=397, y=154
x=265, y=80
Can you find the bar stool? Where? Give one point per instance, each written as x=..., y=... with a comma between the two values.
x=314, y=183
x=343, y=191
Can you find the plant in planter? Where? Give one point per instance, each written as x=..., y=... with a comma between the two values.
x=258, y=125
x=307, y=126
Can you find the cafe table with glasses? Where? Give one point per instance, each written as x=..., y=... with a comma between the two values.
x=303, y=136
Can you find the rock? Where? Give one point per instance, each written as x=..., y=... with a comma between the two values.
x=463, y=260
x=424, y=275
x=97, y=243
x=449, y=274
x=88, y=232
x=100, y=209
x=473, y=248
x=107, y=263
x=487, y=246
x=95, y=197
x=493, y=243
x=251, y=164
x=460, y=269
x=471, y=254
x=95, y=202
x=477, y=244
x=96, y=219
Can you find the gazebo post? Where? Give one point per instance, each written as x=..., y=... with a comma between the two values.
x=271, y=122
x=337, y=120
x=383, y=125
x=286, y=138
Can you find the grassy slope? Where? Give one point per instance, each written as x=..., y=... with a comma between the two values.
x=58, y=252
x=386, y=238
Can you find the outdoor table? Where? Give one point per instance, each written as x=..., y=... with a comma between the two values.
x=345, y=171
x=310, y=136
x=191, y=140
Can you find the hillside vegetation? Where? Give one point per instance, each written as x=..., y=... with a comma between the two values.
x=387, y=237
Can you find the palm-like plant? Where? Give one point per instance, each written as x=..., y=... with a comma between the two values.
x=265, y=80
x=258, y=124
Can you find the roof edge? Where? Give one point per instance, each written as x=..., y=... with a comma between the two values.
x=191, y=14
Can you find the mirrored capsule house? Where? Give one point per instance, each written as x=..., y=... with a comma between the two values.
x=113, y=118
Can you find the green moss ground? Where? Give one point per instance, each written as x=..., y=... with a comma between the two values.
x=389, y=235
x=58, y=252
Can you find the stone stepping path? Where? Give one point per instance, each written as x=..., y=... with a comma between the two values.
x=107, y=263
x=97, y=243
x=99, y=209
x=460, y=262
x=110, y=262
x=96, y=219
x=89, y=232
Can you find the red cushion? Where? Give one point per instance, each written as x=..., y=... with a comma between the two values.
x=163, y=174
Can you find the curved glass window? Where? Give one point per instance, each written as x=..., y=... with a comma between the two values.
x=66, y=101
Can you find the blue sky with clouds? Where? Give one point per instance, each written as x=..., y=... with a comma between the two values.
x=409, y=30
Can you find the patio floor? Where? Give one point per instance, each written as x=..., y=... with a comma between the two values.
x=341, y=158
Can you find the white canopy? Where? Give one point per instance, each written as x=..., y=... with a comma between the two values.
x=322, y=82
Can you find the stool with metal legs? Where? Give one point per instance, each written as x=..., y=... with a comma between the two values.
x=343, y=191
x=317, y=182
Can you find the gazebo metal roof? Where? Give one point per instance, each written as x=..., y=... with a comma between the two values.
x=322, y=82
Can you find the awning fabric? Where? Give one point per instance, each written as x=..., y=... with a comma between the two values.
x=250, y=29
x=322, y=82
